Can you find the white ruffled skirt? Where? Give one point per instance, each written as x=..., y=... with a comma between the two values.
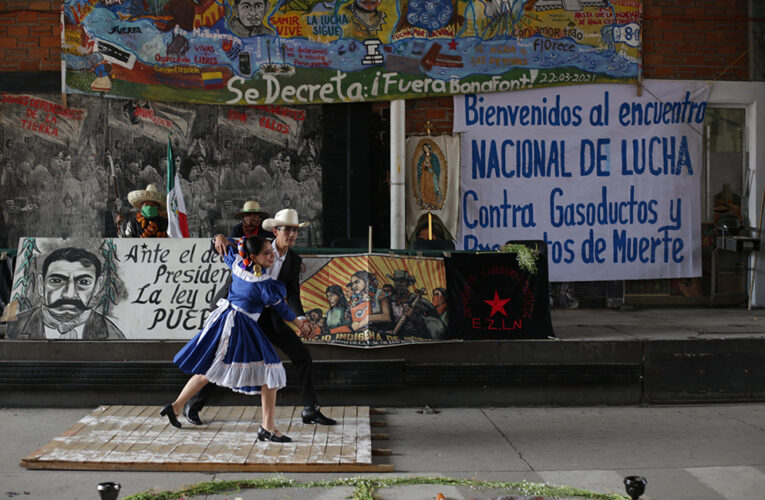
x=232, y=351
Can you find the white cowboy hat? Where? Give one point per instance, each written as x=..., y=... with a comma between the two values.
x=251, y=207
x=140, y=196
x=285, y=217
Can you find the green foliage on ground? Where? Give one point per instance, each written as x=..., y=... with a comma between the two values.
x=365, y=488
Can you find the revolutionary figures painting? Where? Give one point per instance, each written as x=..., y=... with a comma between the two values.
x=375, y=300
x=137, y=289
x=66, y=172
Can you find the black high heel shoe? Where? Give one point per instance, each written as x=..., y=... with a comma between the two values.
x=264, y=435
x=167, y=411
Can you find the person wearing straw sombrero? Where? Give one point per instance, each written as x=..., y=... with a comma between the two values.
x=286, y=269
x=148, y=222
x=251, y=216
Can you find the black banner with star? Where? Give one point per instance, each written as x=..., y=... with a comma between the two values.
x=499, y=295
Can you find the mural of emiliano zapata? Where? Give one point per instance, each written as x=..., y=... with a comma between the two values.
x=413, y=314
x=70, y=278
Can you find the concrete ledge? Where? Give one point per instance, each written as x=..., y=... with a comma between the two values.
x=389, y=382
x=713, y=370
x=484, y=373
x=490, y=373
x=473, y=351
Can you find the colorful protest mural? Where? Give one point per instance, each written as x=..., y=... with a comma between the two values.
x=609, y=179
x=362, y=300
x=242, y=52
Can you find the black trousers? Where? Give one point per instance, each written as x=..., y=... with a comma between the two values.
x=282, y=337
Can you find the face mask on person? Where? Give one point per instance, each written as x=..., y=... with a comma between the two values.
x=149, y=211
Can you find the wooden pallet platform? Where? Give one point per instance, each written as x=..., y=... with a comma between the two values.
x=137, y=438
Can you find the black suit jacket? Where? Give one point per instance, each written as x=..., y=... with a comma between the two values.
x=289, y=274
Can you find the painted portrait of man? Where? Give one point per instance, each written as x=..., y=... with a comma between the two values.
x=70, y=279
x=247, y=19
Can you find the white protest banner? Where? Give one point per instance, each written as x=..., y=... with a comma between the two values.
x=113, y=289
x=608, y=179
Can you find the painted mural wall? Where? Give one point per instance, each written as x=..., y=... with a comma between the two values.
x=57, y=180
x=311, y=51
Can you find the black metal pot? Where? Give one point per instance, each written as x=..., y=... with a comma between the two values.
x=109, y=490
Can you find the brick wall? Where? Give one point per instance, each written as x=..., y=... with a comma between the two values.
x=437, y=110
x=30, y=36
x=695, y=39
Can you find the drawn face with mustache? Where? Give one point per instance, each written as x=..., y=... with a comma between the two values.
x=67, y=288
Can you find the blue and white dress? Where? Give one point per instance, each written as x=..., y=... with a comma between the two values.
x=232, y=350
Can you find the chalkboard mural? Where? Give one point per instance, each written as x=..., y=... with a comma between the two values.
x=56, y=177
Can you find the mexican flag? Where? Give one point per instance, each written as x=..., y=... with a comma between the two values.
x=177, y=224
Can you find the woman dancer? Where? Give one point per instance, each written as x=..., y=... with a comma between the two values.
x=232, y=350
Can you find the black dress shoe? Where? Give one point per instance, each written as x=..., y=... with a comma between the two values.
x=264, y=435
x=192, y=415
x=167, y=411
x=312, y=415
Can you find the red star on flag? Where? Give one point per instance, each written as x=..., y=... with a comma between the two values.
x=497, y=305
x=453, y=44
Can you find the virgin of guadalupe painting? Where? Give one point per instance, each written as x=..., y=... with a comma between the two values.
x=429, y=172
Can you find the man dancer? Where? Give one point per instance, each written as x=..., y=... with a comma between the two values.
x=286, y=268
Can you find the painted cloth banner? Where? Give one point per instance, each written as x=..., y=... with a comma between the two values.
x=432, y=185
x=608, y=179
x=132, y=288
x=362, y=300
x=500, y=295
x=310, y=51
x=112, y=289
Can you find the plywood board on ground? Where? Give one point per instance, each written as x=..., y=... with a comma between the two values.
x=138, y=438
